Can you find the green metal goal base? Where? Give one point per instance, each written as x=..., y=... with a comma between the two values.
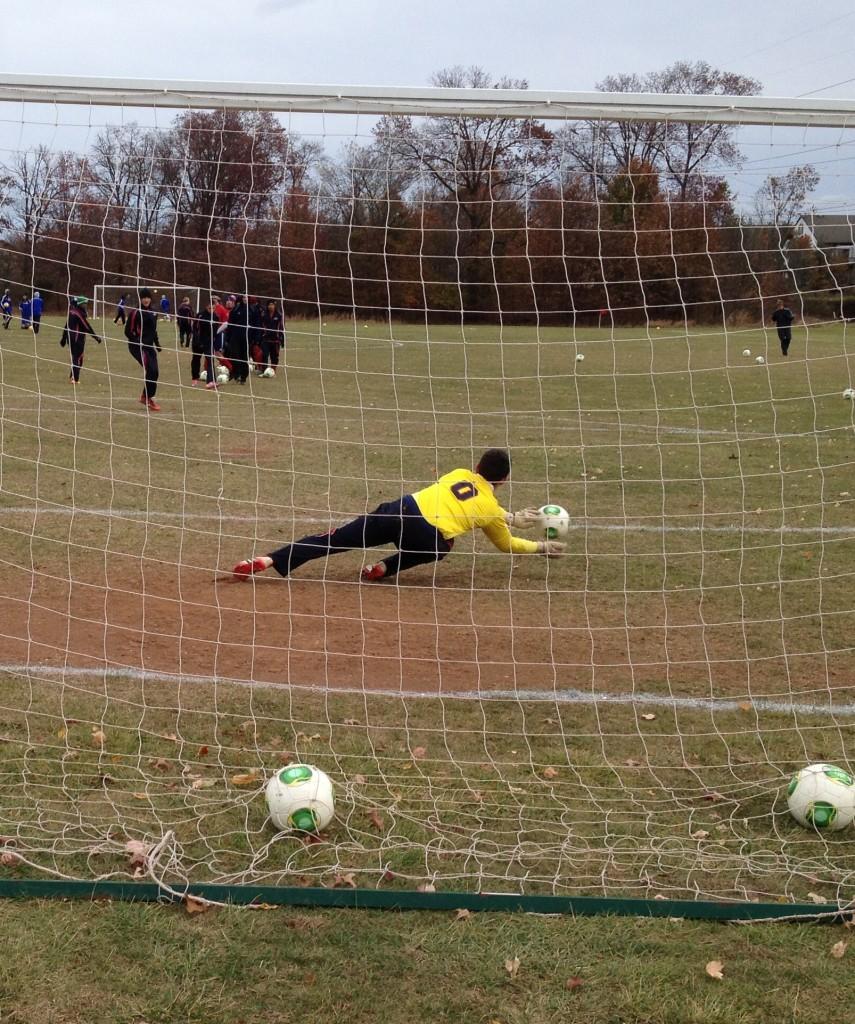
x=378, y=899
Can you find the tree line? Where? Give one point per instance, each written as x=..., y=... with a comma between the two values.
x=435, y=217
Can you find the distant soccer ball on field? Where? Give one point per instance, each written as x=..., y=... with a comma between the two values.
x=822, y=796
x=300, y=797
x=554, y=521
x=222, y=377
x=580, y=357
x=849, y=393
x=759, y=359
x=746, y=351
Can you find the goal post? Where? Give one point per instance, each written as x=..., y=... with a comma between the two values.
x=645, y=300
x=105, y=298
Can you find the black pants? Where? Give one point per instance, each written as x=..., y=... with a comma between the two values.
x=185, y=333
x=394, y=522
x=196, y=366
x=147, y=358
x=237, y=351
x=77, y=350
x=7, y=318
x=120, y=316
x=37, y=322
x=785, y=336
x=270, y=350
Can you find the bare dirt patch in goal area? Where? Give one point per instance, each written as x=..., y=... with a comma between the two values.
x=141, y=614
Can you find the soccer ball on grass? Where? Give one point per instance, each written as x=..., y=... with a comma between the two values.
x=849, y=393
x=300, y=797
x=554, y=521
x=746, y=351
x=759, y=359
x=822, y=796
x=222, y=377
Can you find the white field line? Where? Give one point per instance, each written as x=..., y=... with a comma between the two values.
x=567, y=696
x=141, y=516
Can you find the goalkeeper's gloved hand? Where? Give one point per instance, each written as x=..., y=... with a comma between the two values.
x=551, y=548
x=97, y=339
x=523, y=520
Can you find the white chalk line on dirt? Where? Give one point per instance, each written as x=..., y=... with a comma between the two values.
x=140, y=517
x=564, y=696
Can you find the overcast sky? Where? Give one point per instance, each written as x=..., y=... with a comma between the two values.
x=792, y=47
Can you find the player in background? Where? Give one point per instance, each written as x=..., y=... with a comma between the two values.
x=37, y=307
x=783, y=320
x=164, y=306
x=255, y=330
x=221, y=311
x=184, y=316
x=6, y=307
x=422, y=525
x=206, y=344
x=144, y=345
x=26, y=312
x=120, y=310
x=237, y=339
x=74, y=333
x=271, y=339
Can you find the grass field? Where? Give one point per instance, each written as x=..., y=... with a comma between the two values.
x=620, y=721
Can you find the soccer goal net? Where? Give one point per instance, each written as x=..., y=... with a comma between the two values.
x=644, y=300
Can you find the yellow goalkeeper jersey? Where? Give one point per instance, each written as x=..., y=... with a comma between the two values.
x=462, y=500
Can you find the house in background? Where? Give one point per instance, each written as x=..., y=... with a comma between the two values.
x=833, y=234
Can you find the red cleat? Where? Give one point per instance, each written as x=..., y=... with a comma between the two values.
x=248, y=567
x=373, y=572
x=152, y=406
x=143, y=399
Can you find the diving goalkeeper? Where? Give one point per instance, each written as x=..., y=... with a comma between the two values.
x=422, y=525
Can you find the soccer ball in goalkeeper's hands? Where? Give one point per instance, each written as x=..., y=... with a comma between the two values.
x=822, y=796
x=554, y=521
x=300, y=797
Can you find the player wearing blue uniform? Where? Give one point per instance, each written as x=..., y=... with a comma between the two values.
x=120, y=310
x=164, y=305
x=26, y=312
x=37, y=307
x=74, y=333
x=6, y=307
x=144, y=345
x=422, y=525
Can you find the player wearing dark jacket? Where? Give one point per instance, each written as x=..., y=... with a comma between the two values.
x=74, y=333
x=783, y=320
x=255, y=315
x=6, y=307
x=184, y=316
x=237, y=340
x=272, y=339
x=144, y=345
x=206, y=343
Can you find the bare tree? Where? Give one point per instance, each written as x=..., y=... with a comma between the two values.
x=781, y=197
x=37, y=181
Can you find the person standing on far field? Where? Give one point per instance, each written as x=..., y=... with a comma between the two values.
x=37, y=306
x=783, y=320
x=184, y=316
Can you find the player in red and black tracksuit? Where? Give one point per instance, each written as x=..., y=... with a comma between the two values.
x=783, y=320
x=144, y=345
x=74, y=333
x=255, y=315
x=237, y=340
x=184, y=316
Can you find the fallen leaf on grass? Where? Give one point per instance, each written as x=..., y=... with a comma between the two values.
x=345, y=881
x=550, y=773
x=9, y=859
x=359, y=780
x=715, y=969
x=162, y=764
x=285, y=757
x=193, y=905
x=202, y=752
x=244, y=779
x=426, y=887
x=140, y=796
x=170, y=736
x=838, y=949
x=700, y=834
x=512, y=966
x=137, y=852
x=202, y=784
x=99, y=737
x=649, y=716
x=419, y=753
x=376, y=819
x=746, y=705
x=573, y=984
x=815, y=897
x=351, y=721
x=713, y=797
x=464, y=915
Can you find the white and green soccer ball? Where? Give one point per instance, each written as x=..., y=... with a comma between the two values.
x=580, y=357
x=554, y=522
x=222, y=377
x=849, y=393
x=746, y=351
x=759, y=359
x=822, y=796
x=203, y=375
x=300, y=797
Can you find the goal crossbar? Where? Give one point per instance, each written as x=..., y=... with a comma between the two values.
x=376, y=100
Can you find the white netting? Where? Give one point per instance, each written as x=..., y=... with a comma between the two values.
x=620, y=721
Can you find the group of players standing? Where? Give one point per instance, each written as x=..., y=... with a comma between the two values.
x=230, y=337
x=30, y=311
